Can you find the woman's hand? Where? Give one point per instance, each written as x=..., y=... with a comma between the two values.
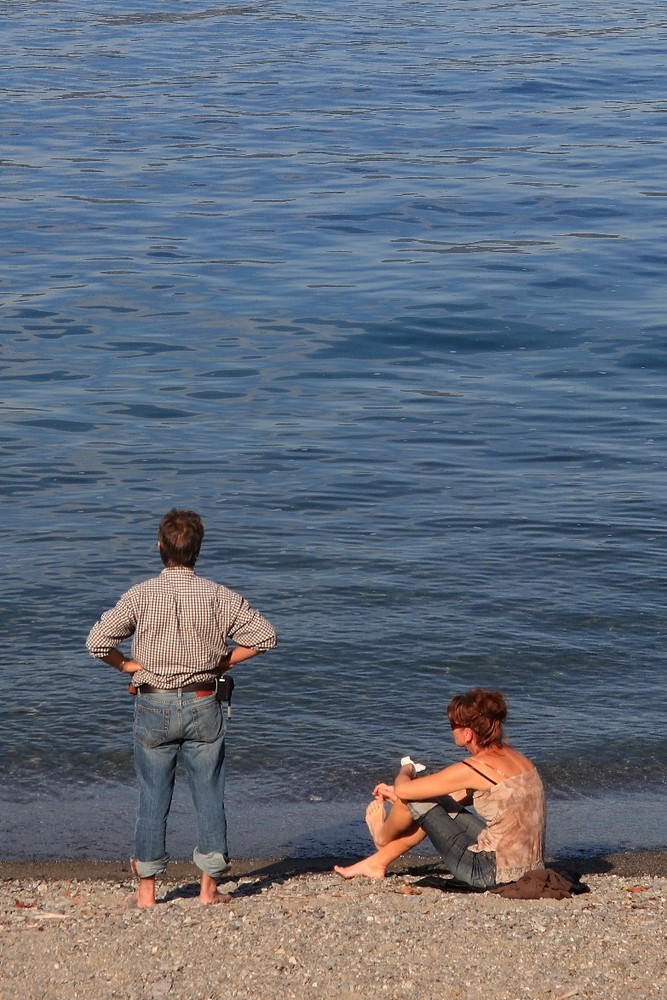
x=384, y=792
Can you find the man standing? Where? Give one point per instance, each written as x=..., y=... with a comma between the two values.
x=181, y=625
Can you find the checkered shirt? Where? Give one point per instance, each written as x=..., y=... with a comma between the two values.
x=181, y=625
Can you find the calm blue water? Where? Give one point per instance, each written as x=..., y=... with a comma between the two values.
x=380, y=291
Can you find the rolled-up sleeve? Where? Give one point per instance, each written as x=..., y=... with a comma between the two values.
x=112, y=628
x=244, y=624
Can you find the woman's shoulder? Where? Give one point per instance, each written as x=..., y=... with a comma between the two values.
x=505, y=762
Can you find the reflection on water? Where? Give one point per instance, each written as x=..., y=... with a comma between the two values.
x=379, y=293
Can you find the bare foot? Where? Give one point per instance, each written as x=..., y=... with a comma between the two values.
x=209, y=893
x=376, y=815
x=145, y=894
x=135, y=902
x=366, y=867
x=218, y=897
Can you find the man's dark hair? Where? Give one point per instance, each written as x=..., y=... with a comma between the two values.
x=179, y=537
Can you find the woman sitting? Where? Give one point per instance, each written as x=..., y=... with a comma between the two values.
x=499, y=844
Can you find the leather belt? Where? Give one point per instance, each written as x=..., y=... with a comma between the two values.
x=201, y=688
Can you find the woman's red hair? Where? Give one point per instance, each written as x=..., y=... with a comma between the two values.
x=482, y=711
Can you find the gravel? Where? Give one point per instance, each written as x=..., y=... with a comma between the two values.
x=309, y=934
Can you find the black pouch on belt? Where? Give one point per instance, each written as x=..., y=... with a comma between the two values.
x=223, y=691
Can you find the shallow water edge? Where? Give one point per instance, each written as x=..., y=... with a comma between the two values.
x=97, y=822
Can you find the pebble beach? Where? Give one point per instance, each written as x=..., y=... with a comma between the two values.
x=295, y=929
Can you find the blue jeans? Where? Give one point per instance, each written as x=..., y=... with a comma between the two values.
x=452, y=829
x=164, y=724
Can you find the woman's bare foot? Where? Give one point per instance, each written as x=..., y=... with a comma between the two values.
x=376, y=816
x=208, y=892
x=366, y=867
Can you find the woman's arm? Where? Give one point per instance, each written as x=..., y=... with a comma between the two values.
x=464, y=797
x=451, y=780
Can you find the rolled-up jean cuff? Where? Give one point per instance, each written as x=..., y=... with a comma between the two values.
x=149, y=869
x=213, y=864
x=419, y=809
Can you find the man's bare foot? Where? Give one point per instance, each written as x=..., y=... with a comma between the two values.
x=134, y=902
x=376, y=815
x=209, y=892
x=218, y=897
x=366, y=867
x=145, y=894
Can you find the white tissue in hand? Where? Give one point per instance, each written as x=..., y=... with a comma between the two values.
x=417, y=767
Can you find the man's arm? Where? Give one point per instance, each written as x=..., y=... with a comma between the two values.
x=116, y=659
x=250, y=630
x=241, y=653
x=111, y=629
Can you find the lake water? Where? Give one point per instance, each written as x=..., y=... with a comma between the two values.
x=380, y=291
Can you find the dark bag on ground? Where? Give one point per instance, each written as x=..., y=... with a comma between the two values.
x=543, y=883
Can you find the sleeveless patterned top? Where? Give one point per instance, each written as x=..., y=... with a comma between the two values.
x=515, y=814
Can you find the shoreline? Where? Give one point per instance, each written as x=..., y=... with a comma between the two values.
x=625, y=864
x=96, y=823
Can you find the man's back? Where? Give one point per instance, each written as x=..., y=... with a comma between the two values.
x=181, y=625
